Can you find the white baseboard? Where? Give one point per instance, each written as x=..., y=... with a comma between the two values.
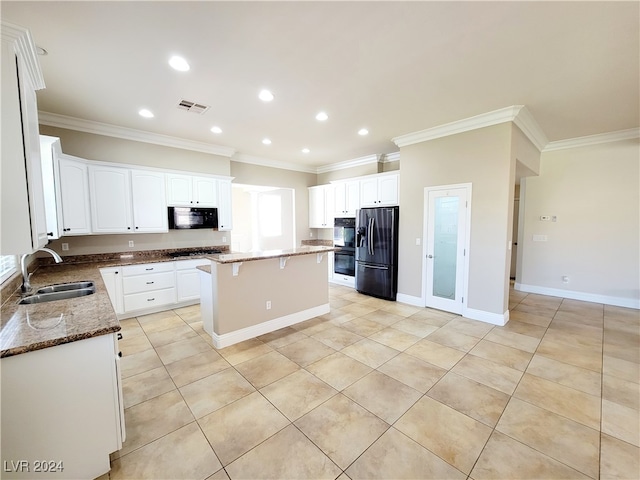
x=160, y=308
x=487, y=317
x=231, y=338
x=410, y=300
x=585, y=297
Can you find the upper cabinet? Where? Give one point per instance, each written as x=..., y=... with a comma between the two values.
x=73, y=178
x=224, y=205
x=24, y=227
x=346, y=198
x=379, y=190
x=191, y=191
x=321, y=206
x=124, y=200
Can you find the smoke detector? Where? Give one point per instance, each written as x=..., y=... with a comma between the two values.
x=193, y=107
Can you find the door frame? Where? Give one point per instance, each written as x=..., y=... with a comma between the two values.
x=467, y=241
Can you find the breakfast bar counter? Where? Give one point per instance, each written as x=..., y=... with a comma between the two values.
x=244, y=295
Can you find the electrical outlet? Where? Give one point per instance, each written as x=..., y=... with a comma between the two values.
x=130, y=243
x=310, y=234
x=268, y=304
x=65, y=247
x=565, y=279
x=224, y=239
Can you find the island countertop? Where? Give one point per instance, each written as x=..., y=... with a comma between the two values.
x=262, y=255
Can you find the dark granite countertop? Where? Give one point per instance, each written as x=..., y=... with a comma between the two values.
x=26, y=328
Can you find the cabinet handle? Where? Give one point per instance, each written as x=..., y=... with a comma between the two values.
x=117, y=272
x=136, y=228
x=49, y=234
x=128, y=228
x=149, y=269
x=150, y=299
x=120, y=354
x=150, y=283
x=119, y=336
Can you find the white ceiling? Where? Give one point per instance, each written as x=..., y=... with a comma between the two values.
x=392, y=67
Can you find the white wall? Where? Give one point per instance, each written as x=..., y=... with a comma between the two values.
x=595, y=193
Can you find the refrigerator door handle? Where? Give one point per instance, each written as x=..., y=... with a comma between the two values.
x=371, y=222
x=364, y=265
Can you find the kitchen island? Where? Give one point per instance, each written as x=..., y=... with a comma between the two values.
x=244, y=295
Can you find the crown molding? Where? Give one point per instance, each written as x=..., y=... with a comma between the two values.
x=391, y=157
x=266, y=162
x=515, y=113
x=588, y=140
x=356, y=162
x=89, y=126
x=26, y=48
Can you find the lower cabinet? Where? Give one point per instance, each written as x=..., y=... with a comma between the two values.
x=188, y=279
x=153, y=287
x=62, y=410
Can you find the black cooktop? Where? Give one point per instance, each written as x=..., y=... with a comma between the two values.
x=195, y=253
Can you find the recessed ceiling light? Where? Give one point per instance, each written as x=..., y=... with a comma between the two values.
x=266, y=141
x=179, y=63
x=146, y=113
x=265, y=95
x=216, y=129
x=363, y=131
x=322, y=116
x=305, y=150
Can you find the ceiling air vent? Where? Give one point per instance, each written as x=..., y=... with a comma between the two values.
x=193, y=107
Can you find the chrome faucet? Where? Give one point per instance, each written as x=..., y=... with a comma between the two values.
x=26, y=285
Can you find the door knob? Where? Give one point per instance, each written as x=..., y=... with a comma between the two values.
x=429, y=256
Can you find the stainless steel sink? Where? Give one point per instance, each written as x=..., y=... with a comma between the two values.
x=57, y=295
x=62, y=287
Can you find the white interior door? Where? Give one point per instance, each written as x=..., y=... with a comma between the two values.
x=447, y=224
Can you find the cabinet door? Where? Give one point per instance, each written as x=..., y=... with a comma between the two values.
x=369, y=192
x=112, y=278
x=110, y=189
x=224, y=205
x=31, y=135
x=340, y=199
x=74, y=195
x=388, y=190
x=149, y=201
x=179, y=190
x=316, y=208
x=352, y=197
x=188, y=282
x=205, y=192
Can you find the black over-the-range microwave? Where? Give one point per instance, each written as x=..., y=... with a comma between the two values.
x=189, y=217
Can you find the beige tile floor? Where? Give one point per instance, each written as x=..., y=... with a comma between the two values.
x=378, y=389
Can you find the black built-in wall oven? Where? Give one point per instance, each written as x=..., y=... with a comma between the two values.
x=344, y=236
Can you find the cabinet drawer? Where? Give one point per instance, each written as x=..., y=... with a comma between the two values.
x=145, y=268
x=139, y=301
x=149, y=282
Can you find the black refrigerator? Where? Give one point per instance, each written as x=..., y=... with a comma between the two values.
x=377, y=252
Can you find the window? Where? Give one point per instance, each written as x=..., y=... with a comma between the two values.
x=270, y=215
x=8, y=265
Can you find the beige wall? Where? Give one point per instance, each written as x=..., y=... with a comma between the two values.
x=595, y=194
x=250, y=174
x=483, y=158
x=111, y=149
x=345, y=173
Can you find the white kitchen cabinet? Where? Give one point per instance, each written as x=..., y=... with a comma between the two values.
x=188, y=279
x=112, y=278
x=74, y=195
x=148, y=286
x=224, y=205
x=379, y=190
x=149, y=201
x=346, y=198
x=191, y=191
x=63, y=404
x=127, y=201
x=321, y=206
x=24, y=227
x=110, y=191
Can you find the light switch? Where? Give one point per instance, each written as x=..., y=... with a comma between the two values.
x=417, y=241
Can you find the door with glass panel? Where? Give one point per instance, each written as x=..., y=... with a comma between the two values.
x=446, y=247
